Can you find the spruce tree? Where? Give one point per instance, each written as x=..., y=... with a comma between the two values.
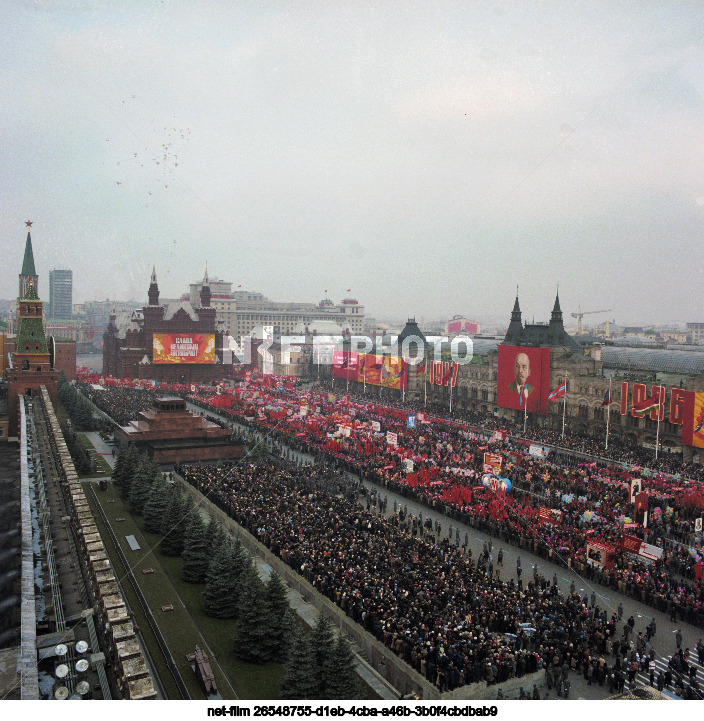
x=83, y=463
x=341, y=680
x=300, y=682
x=156, y=506
x=220, y=597
x=214, y=535
x=279, y=617
x=119, y=468
x=141, y=484
x=195, y=551
x=83, y=414
x=323, y=643
x=251, y=625
x=127, y=472
x=240, y=561
x=173, y=529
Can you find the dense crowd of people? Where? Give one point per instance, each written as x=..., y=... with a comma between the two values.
x=595, y=498
x=421, y=594
x=121, y=404
x=447, y=458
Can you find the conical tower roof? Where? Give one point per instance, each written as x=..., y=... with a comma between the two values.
x=516, y=313
x=556, y=316
x=28, y=262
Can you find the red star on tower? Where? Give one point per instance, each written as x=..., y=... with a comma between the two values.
x=28, y=223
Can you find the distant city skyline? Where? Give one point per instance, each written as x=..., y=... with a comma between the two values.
x=429, y=156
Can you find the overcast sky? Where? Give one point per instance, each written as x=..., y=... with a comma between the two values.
x=430, y=156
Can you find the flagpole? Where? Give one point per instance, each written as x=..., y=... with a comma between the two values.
x=451, y=374
x=564, y=409
x=657, y=434
x=608, y=416
x=525, y=410
x=425, y=385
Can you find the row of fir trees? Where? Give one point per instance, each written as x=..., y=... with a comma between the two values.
x=76, y=405
x=318, y=665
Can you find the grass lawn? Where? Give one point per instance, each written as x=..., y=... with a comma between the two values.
x=187, y=625
x=102, y=467
x=84, y=441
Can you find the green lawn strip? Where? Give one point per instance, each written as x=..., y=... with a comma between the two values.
x=83, y=438
x=158, y=660
x=251, y=681
x=179, y=632
x=102, y=467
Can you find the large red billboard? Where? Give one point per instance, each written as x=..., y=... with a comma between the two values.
x=345, y=364
x=183, y=348
x=693, y=419
x=524, y=378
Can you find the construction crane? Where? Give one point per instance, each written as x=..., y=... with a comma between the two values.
x=580, y=313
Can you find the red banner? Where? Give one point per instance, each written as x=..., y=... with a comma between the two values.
x=549, y=515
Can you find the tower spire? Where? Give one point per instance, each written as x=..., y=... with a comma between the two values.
x=205, y=289
x=516, y=313
x=556, y=316
x=28, y=262
x=28, y=270
x=153, y=293
x=515, y=327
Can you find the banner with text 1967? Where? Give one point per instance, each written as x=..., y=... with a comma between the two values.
x=183, y=348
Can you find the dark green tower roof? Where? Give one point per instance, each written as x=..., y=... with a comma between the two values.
x=28, y=262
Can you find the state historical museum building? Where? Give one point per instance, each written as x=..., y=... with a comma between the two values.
x=177, y=343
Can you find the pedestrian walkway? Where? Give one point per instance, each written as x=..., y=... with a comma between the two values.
x=102, y=447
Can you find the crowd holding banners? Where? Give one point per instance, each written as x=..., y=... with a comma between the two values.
x=447, y=459
x=423, y=597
